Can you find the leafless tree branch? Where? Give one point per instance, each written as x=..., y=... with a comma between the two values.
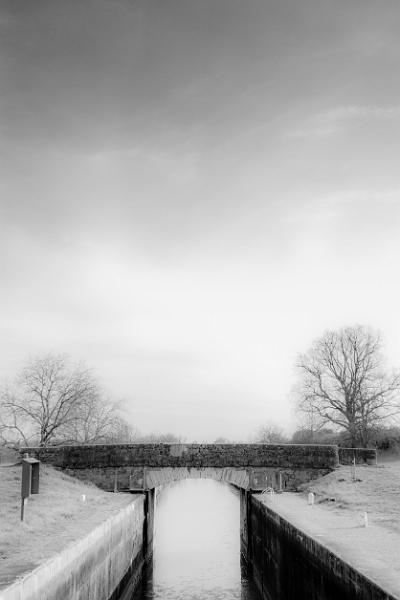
x=342, y=381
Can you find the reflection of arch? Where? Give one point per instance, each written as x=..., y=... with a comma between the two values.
x=141, y=479
x=255, y=479
x=148, y=478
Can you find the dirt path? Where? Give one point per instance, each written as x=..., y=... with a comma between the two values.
x=54, y=518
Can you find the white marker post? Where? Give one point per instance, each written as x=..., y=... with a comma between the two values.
x=24, y=501
x=365, y=519
x=354, y=469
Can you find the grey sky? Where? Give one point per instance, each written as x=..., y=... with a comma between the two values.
x=192, y=191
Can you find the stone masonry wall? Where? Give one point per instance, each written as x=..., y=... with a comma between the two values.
x=292, y=456
x=145, y=478
x=140, y=467
x=360, y=455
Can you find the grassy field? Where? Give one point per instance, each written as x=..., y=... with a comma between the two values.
x=54, y=518
x=374, y=489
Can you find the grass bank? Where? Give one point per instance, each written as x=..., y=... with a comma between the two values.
x=54, y=518
x=373, y=489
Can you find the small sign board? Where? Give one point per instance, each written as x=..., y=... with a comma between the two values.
x=30, y=477
x=29, y=481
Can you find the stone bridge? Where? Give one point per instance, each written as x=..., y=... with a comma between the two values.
x=142, y=467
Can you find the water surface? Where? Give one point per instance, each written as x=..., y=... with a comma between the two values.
x=197, y=545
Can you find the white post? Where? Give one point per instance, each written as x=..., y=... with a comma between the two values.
x=354, y=468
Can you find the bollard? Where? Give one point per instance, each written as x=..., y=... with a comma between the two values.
x=24, y=502
x=83, y=498
x=311, y=498
x=353, y=469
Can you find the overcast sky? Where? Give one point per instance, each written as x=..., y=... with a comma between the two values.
x=192, y=191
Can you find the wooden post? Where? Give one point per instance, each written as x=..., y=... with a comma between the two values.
x=22, y=508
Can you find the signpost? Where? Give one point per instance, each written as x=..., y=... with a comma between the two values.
x=29, y=481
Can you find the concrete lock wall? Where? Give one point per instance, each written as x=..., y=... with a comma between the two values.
x=287, y=564
x=98, y=566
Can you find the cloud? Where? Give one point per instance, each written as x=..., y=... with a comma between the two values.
x=335, y=119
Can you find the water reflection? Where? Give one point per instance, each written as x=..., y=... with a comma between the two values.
x=197, y=546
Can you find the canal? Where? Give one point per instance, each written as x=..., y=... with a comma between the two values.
x=197, y=545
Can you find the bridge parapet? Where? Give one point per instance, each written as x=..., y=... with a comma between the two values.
x=306, y=456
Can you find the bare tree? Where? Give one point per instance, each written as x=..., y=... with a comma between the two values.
x=93, y=421
x=321, y=436
x=343, y=382
x=160, y=438
x=45, y=399
x=310, y=422
x=12, y=430
x=120, y=431
x=271, y=434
